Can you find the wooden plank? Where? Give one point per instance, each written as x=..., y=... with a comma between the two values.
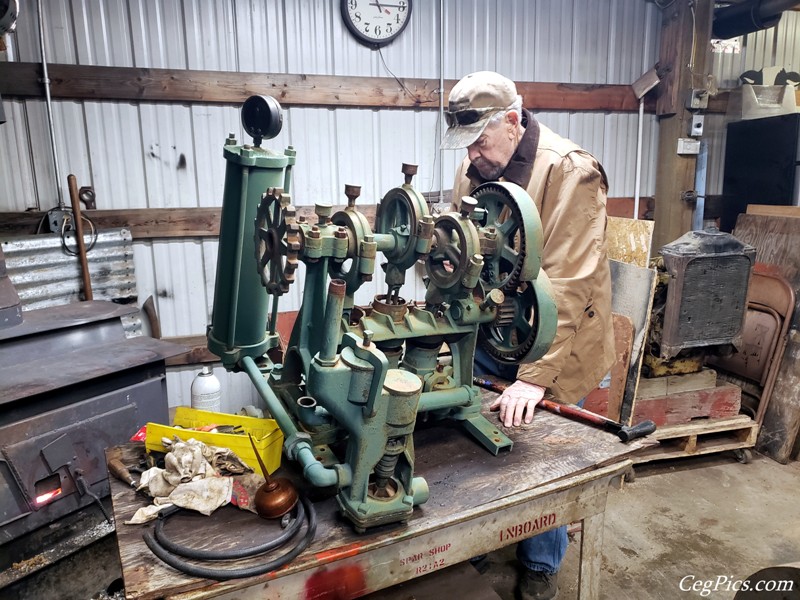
x=682, y=31
x=702, y=446
x=674, y=384
x=674, y=175
x=83, y=82
x=768, y=210
x=198, y=344
x=701, y=437
x=776, y=240
x=559, y=456
x=144, y=223
x=629, y=240
x=632, y=290
x=152, y=223
x=704, y=426
x=591, y=556
x=198, y=351
x=689, y=444
x=685, y=28
x=718, y=402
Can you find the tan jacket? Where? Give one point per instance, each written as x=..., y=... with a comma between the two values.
x=569, y=189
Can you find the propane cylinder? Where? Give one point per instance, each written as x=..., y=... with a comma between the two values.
x=206, y=391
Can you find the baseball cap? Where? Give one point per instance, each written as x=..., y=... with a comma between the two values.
x=474, y=100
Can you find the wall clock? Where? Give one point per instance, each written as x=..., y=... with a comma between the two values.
x=376, y=23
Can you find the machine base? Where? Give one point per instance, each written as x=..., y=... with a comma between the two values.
x=487, y=434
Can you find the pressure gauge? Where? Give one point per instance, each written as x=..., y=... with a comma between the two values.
x=261, y=118
x=375, y=23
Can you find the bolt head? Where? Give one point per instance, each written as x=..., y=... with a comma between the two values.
x=367, y=337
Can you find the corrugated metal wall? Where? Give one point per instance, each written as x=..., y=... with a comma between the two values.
x=776, y=47
x=148, y=155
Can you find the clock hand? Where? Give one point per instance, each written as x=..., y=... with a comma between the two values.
x=376, y=3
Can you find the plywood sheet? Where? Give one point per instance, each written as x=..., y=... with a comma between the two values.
x=629, y=240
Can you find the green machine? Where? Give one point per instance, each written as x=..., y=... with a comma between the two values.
x=355, y=378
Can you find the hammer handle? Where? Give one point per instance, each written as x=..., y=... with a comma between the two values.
x=623, y=432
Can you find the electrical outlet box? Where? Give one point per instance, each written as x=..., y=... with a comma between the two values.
x=696, y=126
x=698, y=99
x=688, y=146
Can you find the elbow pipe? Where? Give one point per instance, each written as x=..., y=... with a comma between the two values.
x=310, y=414
x=320, y=476
x=299, y=450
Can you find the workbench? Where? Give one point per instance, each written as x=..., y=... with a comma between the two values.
x=558, y=472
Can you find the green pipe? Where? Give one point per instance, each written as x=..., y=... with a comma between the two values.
x=313, y=470
x=331, y=334
x=444, y=399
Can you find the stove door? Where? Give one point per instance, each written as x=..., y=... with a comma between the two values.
x=45, y=454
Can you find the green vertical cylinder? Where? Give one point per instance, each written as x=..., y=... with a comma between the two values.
x=239, y=317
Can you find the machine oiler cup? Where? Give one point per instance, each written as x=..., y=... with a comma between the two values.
x=239, y=318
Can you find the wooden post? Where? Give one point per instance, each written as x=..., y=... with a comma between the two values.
x=680, y=34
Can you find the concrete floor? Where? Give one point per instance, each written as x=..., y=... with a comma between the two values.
x=705, y=516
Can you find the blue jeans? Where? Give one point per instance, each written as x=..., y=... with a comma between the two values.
x=543, y=552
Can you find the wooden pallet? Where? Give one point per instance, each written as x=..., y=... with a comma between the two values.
x=700, y=437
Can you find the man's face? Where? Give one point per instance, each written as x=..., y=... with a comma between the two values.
x=492, y=151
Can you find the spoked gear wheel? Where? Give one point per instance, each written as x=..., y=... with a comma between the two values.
x=455, y=241
x=278, y=242
x=525, y=325
x=512, y=214
x=512, y=334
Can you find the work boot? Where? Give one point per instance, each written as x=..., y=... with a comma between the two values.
x=538, y=585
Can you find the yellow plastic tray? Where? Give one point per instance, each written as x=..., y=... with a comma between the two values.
x=266, y=434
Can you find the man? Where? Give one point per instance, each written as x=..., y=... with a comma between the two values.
x=504, y=142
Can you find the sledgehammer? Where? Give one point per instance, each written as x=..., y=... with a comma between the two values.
x=576, y=413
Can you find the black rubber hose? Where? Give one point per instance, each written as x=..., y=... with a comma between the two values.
x=222, y=574
x=198, y=554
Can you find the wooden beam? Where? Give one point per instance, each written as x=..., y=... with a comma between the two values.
x=198, y=351
x=82, y=82
x=144, y=223
x=682, y=32
x=203, y=222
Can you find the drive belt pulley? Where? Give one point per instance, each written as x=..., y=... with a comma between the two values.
x=526, y=321
x=510, y=216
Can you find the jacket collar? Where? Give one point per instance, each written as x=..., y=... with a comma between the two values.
x=519, y=168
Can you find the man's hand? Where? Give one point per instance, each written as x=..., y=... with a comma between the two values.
x=518, y=401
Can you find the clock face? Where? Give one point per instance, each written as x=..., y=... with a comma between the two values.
x=376, y=22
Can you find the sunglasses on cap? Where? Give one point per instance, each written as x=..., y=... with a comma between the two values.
x=468, y=116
